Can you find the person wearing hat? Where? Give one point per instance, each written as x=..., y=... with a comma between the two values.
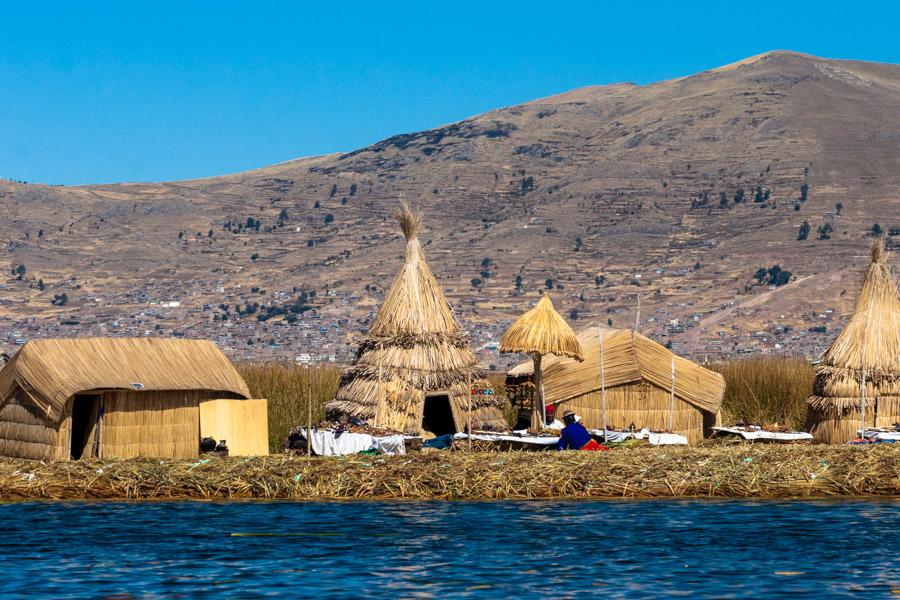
x=575, y=437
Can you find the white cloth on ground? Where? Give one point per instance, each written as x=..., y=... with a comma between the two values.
x=390, y=445
x=877, y=434
x=326, y=442
x=760, y=434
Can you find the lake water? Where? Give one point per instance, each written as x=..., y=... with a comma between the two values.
x=637, y=549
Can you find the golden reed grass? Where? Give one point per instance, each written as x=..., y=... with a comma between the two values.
x=759, y=390
x=766, y=390
x=729, y=471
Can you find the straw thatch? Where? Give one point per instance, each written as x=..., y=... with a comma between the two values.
x=541, y=331
x=414, y=349
x=143, y=393
x=53, y=370
x=637, y=376
x=737, y=471
x=865, y=353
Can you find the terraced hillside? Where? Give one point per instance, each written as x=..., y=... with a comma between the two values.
x=679, y=191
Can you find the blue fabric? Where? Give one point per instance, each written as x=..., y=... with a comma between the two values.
x=573, y=437
x=441, y=442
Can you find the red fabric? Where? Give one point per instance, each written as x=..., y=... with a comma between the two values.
x=594, y=446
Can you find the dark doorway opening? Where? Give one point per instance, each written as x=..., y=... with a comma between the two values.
x=85, y=415
x=437, y=416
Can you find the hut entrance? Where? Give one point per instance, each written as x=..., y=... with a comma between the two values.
x=438, y=416
x=85, y=418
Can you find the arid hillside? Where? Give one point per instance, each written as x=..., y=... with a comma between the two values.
x=680, y=191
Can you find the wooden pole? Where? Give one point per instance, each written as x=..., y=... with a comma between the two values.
x=469, y=424
x=537, y=408
x=602, y=386
x=672, y=400
x=308, y=413
x=637, y=316
x=862, y=402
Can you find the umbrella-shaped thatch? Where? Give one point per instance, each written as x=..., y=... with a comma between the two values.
x=860, y=371
x=538, y=332
x=415, y=357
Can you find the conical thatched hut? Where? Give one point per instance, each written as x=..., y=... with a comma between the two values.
x=637, y=385
x=539, y=332
x=868, y=349
x=414, y=370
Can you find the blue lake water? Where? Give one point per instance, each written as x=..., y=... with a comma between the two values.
x=611, y=549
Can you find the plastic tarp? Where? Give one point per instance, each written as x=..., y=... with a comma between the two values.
x=753, y=433
x=655, y=439
x=326, y=442
x=497, y=437
x=881, y=434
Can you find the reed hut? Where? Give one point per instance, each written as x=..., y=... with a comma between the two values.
x=637, y=383
x=414, y=370
x=64, y=399
x=539, y=332
x=860, y=372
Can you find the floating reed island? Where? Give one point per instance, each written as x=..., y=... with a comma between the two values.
x=728, y=471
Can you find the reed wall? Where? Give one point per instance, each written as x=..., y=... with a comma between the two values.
x=641, y=405
x=24, y=432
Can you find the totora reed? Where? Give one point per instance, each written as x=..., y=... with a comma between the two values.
x=728, y=471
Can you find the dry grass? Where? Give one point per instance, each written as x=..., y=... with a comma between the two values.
x=289, y=389
x=762, y=390
x=766, y=390
x=738, y=471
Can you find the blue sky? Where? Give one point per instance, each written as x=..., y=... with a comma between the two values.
x=95, y=92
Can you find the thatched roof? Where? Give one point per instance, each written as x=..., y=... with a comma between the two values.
x=871, y=338
x=415, y=346
x=869, y=343
x=50, y=371
x=628, y=357
x=543, y=331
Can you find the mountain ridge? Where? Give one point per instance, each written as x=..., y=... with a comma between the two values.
x=620, y=182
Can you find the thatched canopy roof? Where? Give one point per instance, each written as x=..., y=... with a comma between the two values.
x=628, y=357
x=50, y=371
x=543, y=331
x=869, y=343
x=415, y=346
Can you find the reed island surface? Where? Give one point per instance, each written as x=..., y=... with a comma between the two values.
x=727, y=471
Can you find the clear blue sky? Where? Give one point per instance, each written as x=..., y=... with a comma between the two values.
x=96, y=92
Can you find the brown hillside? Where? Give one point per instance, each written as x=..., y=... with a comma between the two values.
x=619, y=181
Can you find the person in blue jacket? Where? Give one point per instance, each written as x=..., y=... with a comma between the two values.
x=575, y=437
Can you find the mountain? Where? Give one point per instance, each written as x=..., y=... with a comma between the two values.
x=679, y=191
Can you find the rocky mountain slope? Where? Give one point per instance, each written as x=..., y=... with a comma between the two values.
x=679, y=191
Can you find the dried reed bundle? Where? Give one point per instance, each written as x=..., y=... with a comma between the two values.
x=728, y=471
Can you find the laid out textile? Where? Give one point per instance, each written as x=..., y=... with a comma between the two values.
x=614, y=437
x=497, y=437
x=760, y=434
x=661, y=439
x=326, y=442
x=880, y=434
x=594, y=446
x=390, y=445
x=655, y=439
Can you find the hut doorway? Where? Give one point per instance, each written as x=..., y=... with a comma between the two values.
x=85, y=421
x=437, y=417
